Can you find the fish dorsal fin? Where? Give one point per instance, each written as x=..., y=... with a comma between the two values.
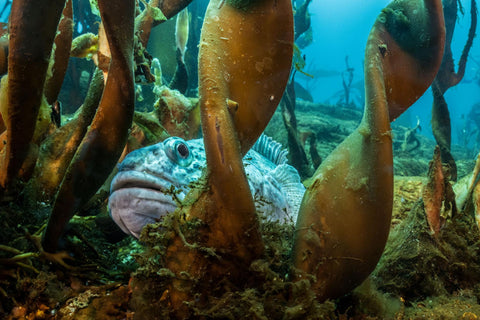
x=287, y=176
x=271, y=149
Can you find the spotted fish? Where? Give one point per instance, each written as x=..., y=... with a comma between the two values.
x=152, y=180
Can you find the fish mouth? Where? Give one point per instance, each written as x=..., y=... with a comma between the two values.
x=138, y=179
x=138, y=198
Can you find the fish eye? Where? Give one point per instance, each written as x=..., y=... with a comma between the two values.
x=182, y=150
x=178, y=151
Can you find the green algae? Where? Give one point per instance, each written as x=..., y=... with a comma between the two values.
x=415, y=265
x=243, y=4
x=409, y=28
x=269, y=292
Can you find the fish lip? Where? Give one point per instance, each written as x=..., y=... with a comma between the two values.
x=144, y=194
x=132, y=208
x=140, y=179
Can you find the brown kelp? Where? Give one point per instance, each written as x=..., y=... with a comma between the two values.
x=215, y=235
x=235, y=56
x=345, y=216
x=60, y=147
x=35, y=39
x=180, y=77
x=296, y=144
x=215, y=242
x=438, y=196
x=61, y=54
x=446, y=78
x=155, y=13
x=104, y=141
x=32, y=31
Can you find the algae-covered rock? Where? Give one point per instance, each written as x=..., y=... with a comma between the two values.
x=415, y=265
x=269, y=293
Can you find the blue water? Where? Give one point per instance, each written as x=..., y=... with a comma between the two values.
x=341, y=27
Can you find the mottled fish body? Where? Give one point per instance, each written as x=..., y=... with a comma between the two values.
x=152, y=180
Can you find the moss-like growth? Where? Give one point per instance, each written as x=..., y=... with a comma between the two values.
x=267, y=294
x=243, y=4
x=415, y=265
x=410, y=28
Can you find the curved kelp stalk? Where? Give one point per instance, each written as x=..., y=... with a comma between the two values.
x=345, y=215
x=296, y=147
x=156, y=12
x=103, y=143
x=59, y=148
x=33, y=25
x=244, y=63
x=61, y=55
x=446, y=78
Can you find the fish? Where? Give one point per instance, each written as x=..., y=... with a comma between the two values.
x=152, y=181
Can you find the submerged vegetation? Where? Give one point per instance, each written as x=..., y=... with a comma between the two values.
x=130, y=72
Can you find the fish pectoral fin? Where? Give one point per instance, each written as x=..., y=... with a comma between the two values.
x=289, y=181
x=286, y=174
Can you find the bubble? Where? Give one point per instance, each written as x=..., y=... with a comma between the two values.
x=226, y=76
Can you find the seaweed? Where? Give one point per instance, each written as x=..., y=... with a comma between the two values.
x=415, y=265
x=269, y=293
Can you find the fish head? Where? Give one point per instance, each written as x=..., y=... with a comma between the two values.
x=152, y=181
